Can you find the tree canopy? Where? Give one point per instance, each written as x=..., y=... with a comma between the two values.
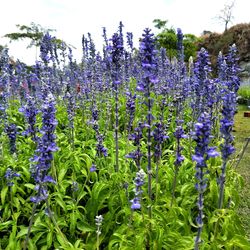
x=34, y=32
x=167, y=38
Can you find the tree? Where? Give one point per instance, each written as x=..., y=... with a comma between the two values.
x=34, y=32
x=160, y=24
x=190, y=43
x=226, y=14
x=167, y=39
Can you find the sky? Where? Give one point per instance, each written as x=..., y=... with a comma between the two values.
x=73, y=18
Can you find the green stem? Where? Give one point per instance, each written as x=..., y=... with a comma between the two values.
x=53, y=168
x=116, y=131
x=174, y=185
x=30, y=225
x=11, y=200
x=97, y=240
x=55, y=224
x=222, y=184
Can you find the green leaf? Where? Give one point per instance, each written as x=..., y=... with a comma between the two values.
x=29, y=185
x=60, y=202
x=73, y=219
x=239, y=241
x=3, y=194
x=61, y=174
x=81, y=194
x=85, y=227
x=23, y=232
x=49, y=239
x=64, y=244
x=5, y=225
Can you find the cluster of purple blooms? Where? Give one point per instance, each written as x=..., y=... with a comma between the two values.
x=159, y=135
x=110, y=76
x=138, y=181
x=11, y=131
x=179, y=134
x=100, y=149
x=227, y=148
x=30, y=111
x=46, y=48
x=136, y=137
x=130, y=107
x=9, y=176
x=202, y=137
x=46, y=146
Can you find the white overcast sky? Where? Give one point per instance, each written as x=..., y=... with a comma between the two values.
x=72, y=18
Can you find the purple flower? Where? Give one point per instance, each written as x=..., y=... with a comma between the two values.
x=101, y=150
x=233, y=69
x=203, y=152
x=71, y=106
x=159, y=137
x=117, y=52
x=227, y=148
x=46, y=48
x=138, y=181
x=130, y=40
x=93, y=168
x=203, y=87
x=148, y=61
x=45, y=148
x=180, y=48
x=227, y=122
x=136, y=138
x=9, y=175
x=135, y=204
x=130, y=108
x=179, y=134
x=11, y=131
x=148, y=81
x=30, y=111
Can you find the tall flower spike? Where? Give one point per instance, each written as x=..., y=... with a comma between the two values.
x=227, y=148
x=136, y=138
x=11, y=131
x=130, y=40
x=233, y=69
x=180, y=48
x=202, y=70
x=116, y=53
x=130, y=107
x=179, y=134
x=149, y=79
x=44, y=152
x=30, y=111
x=203, y=152
x=46, y=48
x=138, y=181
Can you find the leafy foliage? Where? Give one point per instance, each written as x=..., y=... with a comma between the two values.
x=167, y=39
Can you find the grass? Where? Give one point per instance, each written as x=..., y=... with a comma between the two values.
x=241, y=132
x=244, y=92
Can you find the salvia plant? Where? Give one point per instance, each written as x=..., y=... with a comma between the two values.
x=128, y=149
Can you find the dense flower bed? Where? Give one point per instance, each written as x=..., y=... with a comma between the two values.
x=126, y=150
